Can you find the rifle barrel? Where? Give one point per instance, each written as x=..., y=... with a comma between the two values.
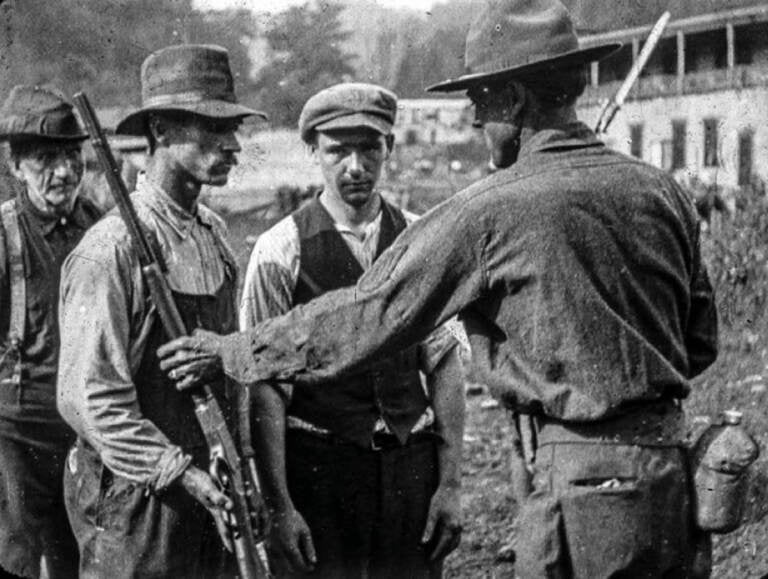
x=613, y=105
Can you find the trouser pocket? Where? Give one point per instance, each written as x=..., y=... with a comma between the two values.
x=539, y=540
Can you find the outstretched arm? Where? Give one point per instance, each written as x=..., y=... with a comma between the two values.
x=434, y=269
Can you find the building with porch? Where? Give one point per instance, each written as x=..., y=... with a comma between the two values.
x=700, y=106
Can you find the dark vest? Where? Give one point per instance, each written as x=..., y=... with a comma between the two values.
x=34, y=397
x=391, y=388
x=172, y=411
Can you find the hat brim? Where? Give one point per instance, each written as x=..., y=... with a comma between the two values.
x=29, y=137
x=135, y=123
x=575, y=57
x=356, y=121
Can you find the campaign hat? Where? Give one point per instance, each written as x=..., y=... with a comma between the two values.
x=513, y=38
x=194, y=78
x=346, y=106
x=38, y=113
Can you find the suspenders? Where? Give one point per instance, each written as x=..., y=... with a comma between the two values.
x=18, y=288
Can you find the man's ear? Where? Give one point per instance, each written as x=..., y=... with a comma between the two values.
x=14, y=167
x=311, y=148
x=158, y=128
x=518, y=101
x=390, y=139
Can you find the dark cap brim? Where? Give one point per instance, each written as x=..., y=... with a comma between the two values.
x=135, y=123
x=355, y=121
x=575, y=57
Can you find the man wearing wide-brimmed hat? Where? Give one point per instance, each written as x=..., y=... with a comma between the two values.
x=41, y=224
x=578, y=273
x=138, y=494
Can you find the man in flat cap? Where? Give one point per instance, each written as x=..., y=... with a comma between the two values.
x=349, y=469
x=40, y=225
x=578, y=274
x=137, y=488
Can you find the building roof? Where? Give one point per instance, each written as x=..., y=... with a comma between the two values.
x=597, y=16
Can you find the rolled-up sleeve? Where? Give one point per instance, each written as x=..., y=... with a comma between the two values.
x=433, y=269
x=270, y=280
x=102, y=324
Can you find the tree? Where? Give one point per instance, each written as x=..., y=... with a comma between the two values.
x=99, y=45
x=307, y=55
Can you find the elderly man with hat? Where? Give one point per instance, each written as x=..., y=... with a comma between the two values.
x=137, y=489
x=350, y=469
x=41, y=224
x=578, y=274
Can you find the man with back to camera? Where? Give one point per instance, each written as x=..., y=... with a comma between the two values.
x=578, y=274
x=137, y=488
x=40, y=225
x=353, y=471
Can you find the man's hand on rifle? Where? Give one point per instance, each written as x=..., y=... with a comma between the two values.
x=192, y=361
x=289, y=542
x=201, y=486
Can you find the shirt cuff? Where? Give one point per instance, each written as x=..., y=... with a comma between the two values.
x=171, y=465
x=435, y=347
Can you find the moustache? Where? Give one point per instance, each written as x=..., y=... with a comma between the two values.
x=69, y=184
x=362, y=184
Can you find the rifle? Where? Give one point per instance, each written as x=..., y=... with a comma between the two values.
x=236, y=479
x=612, y=106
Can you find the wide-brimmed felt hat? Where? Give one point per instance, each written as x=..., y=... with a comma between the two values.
x=193, y=78
x=347, y=106
x=38, y=113
x=512, y=38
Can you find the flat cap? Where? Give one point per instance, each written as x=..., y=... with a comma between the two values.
x=37, y=112
x=348, y=105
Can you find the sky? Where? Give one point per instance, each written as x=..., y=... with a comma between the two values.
x=278, y=5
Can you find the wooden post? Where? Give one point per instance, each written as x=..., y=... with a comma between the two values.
x=680, y=61
x=729, y=32
x=635, y=53
x=594, y=73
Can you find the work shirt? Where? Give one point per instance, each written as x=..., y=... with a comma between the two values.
x=272, y=276
x=577, y=272
x=45, y=243
x=105, y=321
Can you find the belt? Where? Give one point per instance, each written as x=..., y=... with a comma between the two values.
x=653, y=424
x=380, y=441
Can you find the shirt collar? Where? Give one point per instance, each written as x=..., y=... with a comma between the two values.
x=568, y=136
x=47, y=224
x=368, y=229
x=169, y=211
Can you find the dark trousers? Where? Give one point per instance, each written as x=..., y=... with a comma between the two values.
x=608, y=510
x=33, y=520
x=125, y=532
x=366, y=509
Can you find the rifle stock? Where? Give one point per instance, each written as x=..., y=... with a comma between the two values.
x=227, y=468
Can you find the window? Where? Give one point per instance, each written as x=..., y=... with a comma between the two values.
x=711, y=157
x=666, y=154
x=679, y=129
x=636, y=140
x=745, y=157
